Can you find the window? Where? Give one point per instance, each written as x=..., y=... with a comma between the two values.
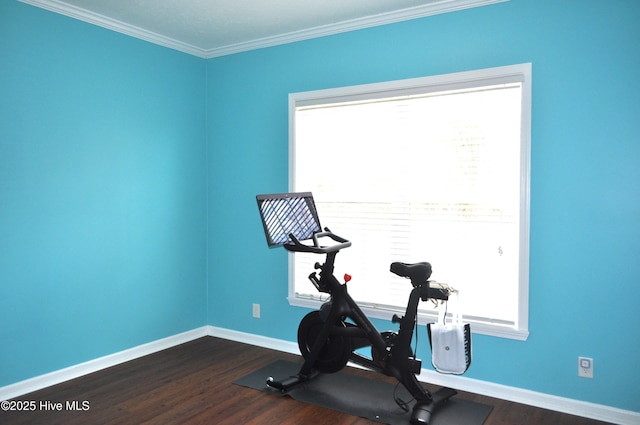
x=430, y=169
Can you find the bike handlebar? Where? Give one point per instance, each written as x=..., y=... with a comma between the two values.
x=296, y=246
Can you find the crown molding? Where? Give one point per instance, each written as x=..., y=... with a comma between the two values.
x=439, y=7
x=444, y=6
x=88, y=16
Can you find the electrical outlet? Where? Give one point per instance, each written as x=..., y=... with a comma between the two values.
x=256, y=311
x=585, y=367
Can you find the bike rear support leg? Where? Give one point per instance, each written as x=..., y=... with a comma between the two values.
x=423, y=410
x=426, y=403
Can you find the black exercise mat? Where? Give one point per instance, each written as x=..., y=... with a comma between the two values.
x=359, y=396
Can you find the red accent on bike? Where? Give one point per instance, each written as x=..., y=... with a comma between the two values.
x=347, y=277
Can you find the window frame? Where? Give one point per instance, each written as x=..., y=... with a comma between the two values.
x=445, y=82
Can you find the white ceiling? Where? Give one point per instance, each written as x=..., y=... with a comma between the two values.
x=209, y=28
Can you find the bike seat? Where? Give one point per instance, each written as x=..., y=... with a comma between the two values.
x=417, y=272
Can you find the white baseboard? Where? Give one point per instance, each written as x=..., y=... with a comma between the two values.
x=518, y=395
x=252, y=339
x=532, y=398
x=75, y=371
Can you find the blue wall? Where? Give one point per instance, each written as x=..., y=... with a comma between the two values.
x=128, y=175
x=102, y=192
x=585, y=201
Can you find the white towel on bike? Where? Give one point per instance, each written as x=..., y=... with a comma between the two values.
x=450, y=344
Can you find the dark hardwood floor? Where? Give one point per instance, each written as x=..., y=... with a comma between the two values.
x=192, y=384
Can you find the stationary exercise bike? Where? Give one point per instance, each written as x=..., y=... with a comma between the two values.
x=329, y=337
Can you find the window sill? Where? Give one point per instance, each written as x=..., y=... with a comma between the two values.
x=477, y=327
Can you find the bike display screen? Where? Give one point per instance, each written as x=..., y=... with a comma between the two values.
x=284, y=214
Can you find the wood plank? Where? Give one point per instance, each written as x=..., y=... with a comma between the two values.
x=192, y=384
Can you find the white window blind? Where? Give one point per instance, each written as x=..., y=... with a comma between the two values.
x=432, y=169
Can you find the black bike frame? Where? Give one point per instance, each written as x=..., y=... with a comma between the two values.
x=295, y=215
x=397, y=359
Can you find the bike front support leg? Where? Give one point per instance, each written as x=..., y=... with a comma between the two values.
x=308, y=370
